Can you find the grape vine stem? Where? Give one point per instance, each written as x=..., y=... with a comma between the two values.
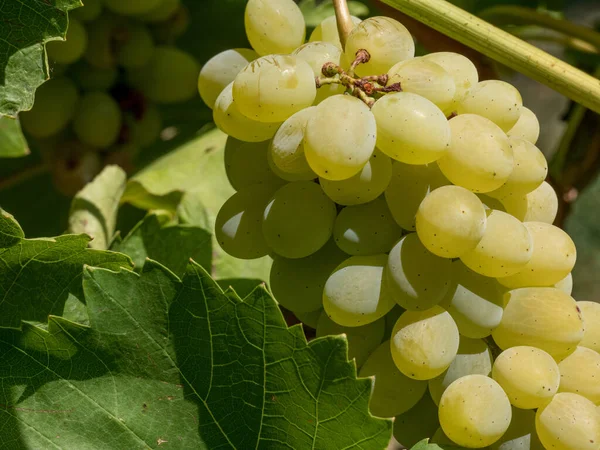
x=343, y=19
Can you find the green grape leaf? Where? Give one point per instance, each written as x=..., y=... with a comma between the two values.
x=25, y=27
x=179, y=364
x=40, y=276
x=13, y=142
x=315, y=13
x=171, y=245
x=94, y=208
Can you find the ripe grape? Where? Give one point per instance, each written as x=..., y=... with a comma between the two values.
x=553, y=258
x=91, y=78
x=418, y=423
x=98, y=120
x=410, y=184
x=298, y=284
x=287, y=147
x=298, y=220
x=316, y=54
x=417, y=279
x=420, y=137
x=505, y=249
x=131, y=7
x=54, y=107
x=566, y=284
x=362, y=341
x=425, y=78
x=495, y=100
x=590, y=312
x=540, y=317
x=568, y=422
x=539, y=205
x=309, y=319
x=327, y=31
x=490, y=203
x=221, y=70
x=580, y=374
x=238, y=226
x=451, y=221
x=424, y=343
x=527, y=127
x=146, y=130
x=528, y=375
x=521, y=434
x=386, y=40
x=474, y=411
x=475, y=302
x=473, y=357
x=366, y=229
x=363, y=187
x=392, y=317
x=480, y=157
x=354, y=294
x=246, y=164
x=133, y=45
x=72, y=48
x=340, y=137
x=161, y=12
x=393, y=392
x=274, y=26
x=272, y=88
x=88, y=12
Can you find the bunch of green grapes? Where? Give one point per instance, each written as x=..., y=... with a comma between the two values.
x=117, y=64
x=404, y=204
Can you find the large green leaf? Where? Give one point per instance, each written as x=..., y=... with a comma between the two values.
x=183, y=365
x=12, y=141
x=39, y=277
x=25, y=27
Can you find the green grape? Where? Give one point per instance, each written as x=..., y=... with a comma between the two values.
x=566, y=284
x=440, y=437
x=491, y=203
x=133, y=45
x=232, y=122
x=316, y=54
x=310, y=319
x=540, y=317
x=366, y=229
x=460, y=68
x=91, y=78
x=473, y=358
x=73, y=166
x=568, y=422
x=354, y=293
x=425, y=78
x=480, y=157
x=505, y=249
x=417, y=279
x=54, y=106
x=238, y=226
x=340, y=137
x=220, y=71
x=91, y=10
x=274, y=26
x=170, y=76
x=287, y=147
x=286, y=175
x=393, y=392
x=590, y=312
x=451, y=221
x=421, y=137
x=475, y=302
x=131, y=7
x=362, y=341
x=298, y=220
x=146, y=130
x=72, y=48
x=365, y=186
x=272, y=88
x=168, y=31
x=424, y=343
x=528, y=375
x=495, y=100
x=327, y=31
x=521, y=434
x=98, y=119
x=162, y=12
x=246, y=164
x=99, y=52
x=540, y=205
x=391, y=318
x=298, y=284
x=527, y=127
x=409, y=186
x=529, y=172
x=580, y=372
x=418, y=423
x=553, y=258
x=474, y=411
x=386, y=40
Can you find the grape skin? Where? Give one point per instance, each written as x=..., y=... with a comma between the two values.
x=327, y=31
x=246, y=164
x=539, y=205
x=316, y=54
x=418, y=423
x=72, y=48
x=94, y=109
x=580, y=372
x=527, y=127
x=590, y=311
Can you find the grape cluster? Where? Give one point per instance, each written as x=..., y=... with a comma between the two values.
x=100, y=106
x=404, y=203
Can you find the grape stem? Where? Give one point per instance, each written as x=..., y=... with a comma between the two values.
x=343, y=19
